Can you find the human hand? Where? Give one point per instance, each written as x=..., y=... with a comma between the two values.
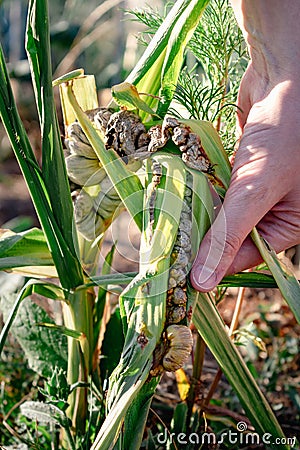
x=265, y=184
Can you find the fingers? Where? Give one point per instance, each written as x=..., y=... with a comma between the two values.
x=219, y=248
x=247, y=257
x=280, y=231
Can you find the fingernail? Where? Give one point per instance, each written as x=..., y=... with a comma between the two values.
x=203, y=278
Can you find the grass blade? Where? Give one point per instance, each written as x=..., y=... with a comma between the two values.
x=161, y=62
x=288, y=285
x=253, y=280
x=53, y=165
x=28, y=248
x=181, y=34
x=62, y=256
x=156, y=47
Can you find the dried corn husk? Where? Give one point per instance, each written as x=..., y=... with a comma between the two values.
x=84, y=171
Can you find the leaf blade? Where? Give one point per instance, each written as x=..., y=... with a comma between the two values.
x=211, y=327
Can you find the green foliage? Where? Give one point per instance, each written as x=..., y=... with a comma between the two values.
x=285, y=279
x=57, y=389
x=44, y=349
x=113, y=338
x=216, y=58
x=218, y=44
x=28, y=248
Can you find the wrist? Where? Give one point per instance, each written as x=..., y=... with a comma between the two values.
x=272, y=33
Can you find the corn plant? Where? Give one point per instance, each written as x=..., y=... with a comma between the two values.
x=167, y=172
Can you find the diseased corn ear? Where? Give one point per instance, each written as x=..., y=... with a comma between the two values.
x=167, y=356
x=180, y=262
x=180, y=342
x=195, y=219
x=173, y=351
x=97, y=204
x=84, y=171
x=200, y=146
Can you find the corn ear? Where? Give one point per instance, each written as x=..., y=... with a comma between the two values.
x=215, y=152
x=126, y=182
x=143, y=302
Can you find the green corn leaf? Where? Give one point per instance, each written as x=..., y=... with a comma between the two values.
x=212, y=329
x=202, y=208
x=146, y=319
x=133, y=429
x=179, y=38
x=38, y=49
x=249, y=279
x=113, y=338
x=66, y=263
x=126, y=183
x=126, y=95
x=288, y=285
x=63, y=330
x=155, y=49
x=28, y=248
x=112, y=278
x=246, y=279
x=163, y=57
x=73, y=334
x=213, y=147
x=109, y=429
x=101, y=296
x=48, y=290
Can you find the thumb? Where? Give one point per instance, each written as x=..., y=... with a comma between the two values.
x=216, y=253
x=222, y=242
